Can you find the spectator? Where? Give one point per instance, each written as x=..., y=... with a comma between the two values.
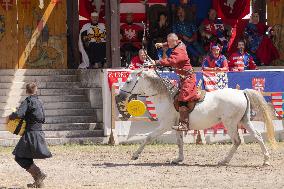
x=241, y=60
x=92, y=43
x=131, y=36
x=215, y=61
x=159, y=32
x=188, y=6
x=187, y=32
x=259, y=44
x=138, y=61
x=214, y=32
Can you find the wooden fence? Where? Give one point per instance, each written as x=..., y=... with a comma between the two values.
x=275, y=17
x=33, y=34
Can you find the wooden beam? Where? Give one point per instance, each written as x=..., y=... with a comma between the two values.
x=108, y=34
x=113, y=34
x=73, y=59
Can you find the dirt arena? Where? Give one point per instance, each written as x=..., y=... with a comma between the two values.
x=106, y=167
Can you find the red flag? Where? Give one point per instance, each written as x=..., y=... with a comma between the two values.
x=117, y=78
x=232, y=9
x=7, y=4
x=258, y=84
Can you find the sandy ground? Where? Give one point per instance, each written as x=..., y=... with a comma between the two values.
x=110, y=167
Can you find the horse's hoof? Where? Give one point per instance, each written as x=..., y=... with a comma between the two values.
x=134, y=158
x=223, y=163
x=175, y=161
x=266, y=163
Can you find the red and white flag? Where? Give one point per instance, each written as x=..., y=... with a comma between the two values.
x=215, y=80
x=277, y=100
x=117, y=78
x=138, y=8
x=258, y=84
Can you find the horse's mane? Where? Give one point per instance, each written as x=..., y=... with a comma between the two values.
x=159, y=84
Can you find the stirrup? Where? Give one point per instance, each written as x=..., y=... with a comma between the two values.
x=182, y=126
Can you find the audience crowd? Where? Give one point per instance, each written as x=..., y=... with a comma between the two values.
x=206, y=44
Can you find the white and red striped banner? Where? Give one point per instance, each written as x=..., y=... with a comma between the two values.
x=138, y=8
x=277, y=100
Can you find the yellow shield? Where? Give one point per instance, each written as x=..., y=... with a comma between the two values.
x=16, y=126
x=136, y=108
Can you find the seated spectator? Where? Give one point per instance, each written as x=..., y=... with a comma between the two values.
x=259, y=44
x=215, y=61
x=131, y=36
x=188, y=6
x=241, y=60
x=92, y=43
x=138, y=61
x=187, y=32
x=159, y=32
x=213, y=32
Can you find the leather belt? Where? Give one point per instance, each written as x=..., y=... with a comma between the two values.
x=187, y=73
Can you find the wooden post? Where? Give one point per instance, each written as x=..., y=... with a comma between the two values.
x=113, y=139
x=73, y=59
x=113, y=33
x=108, y=33
x=200, y=137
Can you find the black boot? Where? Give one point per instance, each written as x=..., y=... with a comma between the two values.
x=183, y=124
x=38, y=176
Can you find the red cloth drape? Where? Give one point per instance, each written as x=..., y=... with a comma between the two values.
x=232, y=9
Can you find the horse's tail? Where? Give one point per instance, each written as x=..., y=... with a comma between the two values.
x=258, y=102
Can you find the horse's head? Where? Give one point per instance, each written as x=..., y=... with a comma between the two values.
x=138, y=84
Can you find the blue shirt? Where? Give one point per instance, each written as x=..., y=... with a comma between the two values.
x=184, y=28
x=219, y=62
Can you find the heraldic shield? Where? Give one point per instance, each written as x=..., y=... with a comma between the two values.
x=17, y=126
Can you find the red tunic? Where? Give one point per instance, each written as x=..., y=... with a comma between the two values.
x=180, y=60
x=130, y=34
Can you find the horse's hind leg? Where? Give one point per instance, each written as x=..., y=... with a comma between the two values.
x=235, y=137
x=255, y=134
x=179, y=135
x=148, y=140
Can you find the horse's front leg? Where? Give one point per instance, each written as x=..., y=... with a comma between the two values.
x=159, y=131
x=179, y=135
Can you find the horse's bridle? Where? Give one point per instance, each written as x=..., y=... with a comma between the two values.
x=139, y=95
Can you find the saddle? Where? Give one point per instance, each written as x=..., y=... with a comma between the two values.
x=190, y=105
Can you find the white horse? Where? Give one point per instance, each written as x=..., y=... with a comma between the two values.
x=230, y=106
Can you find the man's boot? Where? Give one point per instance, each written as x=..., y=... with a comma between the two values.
x=183, y=124
x=38, y=176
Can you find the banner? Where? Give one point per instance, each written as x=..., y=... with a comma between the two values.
x=215, y=80
x=277, y=100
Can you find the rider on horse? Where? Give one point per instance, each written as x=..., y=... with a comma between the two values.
x=180, y=63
